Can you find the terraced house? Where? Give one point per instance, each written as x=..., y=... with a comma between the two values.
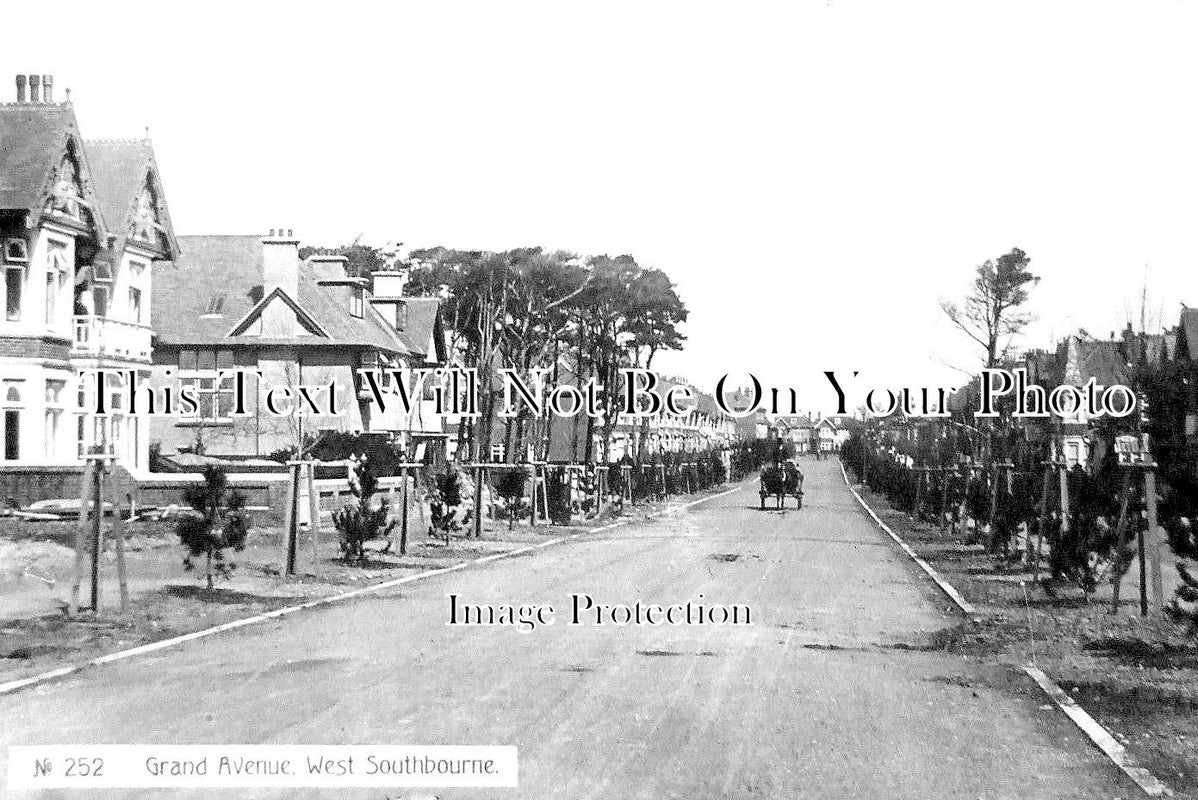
x=84, y=225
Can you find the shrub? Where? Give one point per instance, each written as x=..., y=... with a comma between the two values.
x=360, y=523
x=510, y=487
x=218, y=524
x=445, y=499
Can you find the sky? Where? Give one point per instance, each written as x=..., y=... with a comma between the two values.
x=815, y=176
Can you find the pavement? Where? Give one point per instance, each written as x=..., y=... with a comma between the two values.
x=828, y=694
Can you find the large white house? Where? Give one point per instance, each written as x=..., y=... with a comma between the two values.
x=82, y=225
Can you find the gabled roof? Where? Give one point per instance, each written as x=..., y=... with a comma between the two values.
x=1188, y=332
x=121, y=170
x=34, y=137
x=1096, y=359
x=230, y=268
x=423, y=325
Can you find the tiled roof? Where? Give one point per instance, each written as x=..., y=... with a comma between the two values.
x=230, y=268
x=118, y=169
x=421, y=323
x=32, y=139
x=1189, y=331
x=1100, y=360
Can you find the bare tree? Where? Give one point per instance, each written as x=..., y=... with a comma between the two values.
x=990, y=313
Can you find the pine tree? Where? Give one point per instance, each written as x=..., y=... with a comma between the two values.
x=219, y=524
x=360, y=523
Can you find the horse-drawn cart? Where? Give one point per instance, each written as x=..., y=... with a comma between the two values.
x=781, y=481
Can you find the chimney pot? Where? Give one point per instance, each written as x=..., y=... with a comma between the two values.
x=35, y=83
x=21, y=88
x=272, y=232
x=48, y=88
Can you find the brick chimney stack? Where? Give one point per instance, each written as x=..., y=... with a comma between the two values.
x=48, y=88
x=21, y=79
x=35, y=83
x=280, y=270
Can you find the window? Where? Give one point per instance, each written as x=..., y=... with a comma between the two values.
x=51, y=297
x=12, y=420
x=135, y=305
x=198, y=369
x=14, y=284
x=357, y=301
x=16, y=250
x=100, y=298
x=54, y=412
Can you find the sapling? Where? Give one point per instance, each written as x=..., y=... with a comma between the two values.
x=220, y=523
x=359, y=522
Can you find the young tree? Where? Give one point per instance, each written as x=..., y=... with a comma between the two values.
x=990, y=313
x=361, y=522
x=219, y=523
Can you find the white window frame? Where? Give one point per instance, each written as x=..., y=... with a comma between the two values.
x=215, y=397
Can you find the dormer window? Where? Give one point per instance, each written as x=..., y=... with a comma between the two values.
x=215, y=307
x=16, y=250
x=357, y=301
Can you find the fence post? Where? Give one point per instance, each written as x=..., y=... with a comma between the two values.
x=403, y=525
x=118, y=534
x=80, y=538
x=1151, y=533
x=314, y=513
x=478, y=501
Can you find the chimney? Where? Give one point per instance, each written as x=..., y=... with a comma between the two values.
x=21, y=88
x=388, y=283
x=329, y=268
x=48, y=88
x=280, y=270
x=35, y=82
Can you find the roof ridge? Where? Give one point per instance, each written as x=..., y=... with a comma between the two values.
x=117, y=140
x=10, y=103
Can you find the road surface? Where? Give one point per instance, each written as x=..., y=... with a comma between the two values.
x=825, y=695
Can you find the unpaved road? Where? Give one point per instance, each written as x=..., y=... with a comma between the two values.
x=812, y=700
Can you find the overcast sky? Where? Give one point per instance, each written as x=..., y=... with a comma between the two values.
x=813, y=175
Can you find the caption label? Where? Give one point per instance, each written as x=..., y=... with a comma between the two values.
x=248, y=766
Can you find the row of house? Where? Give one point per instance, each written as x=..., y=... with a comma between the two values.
x=1123, y=359
x=805, y=433
x=95, y=277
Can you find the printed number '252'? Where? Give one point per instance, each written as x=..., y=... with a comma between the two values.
x=85, y=767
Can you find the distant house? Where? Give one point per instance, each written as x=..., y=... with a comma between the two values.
x=703, y=427
x=795, y=429
x=830, y=433
x=251, y=302
x=84, y=226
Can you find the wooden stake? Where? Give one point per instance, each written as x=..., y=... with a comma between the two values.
x=532, y=500
x=118, y=534
x=1153, y=540
x=97, y=532
x=290, y=519
x=478, y=502
x=314, y=513
x=403, y=525
x=80, y=536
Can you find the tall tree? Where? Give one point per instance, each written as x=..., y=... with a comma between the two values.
x=990, y=314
